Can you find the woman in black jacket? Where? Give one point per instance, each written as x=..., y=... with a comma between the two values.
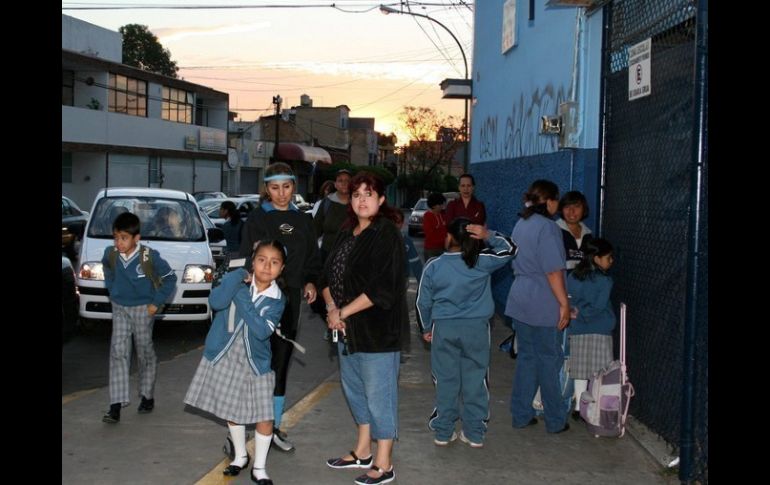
x=364, y=288
x=278, y=218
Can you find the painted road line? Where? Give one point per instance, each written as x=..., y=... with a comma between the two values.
x=290, y=419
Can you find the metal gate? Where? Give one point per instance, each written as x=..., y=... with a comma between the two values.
x=654, y=211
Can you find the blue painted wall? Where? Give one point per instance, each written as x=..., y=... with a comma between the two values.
x=514, y=90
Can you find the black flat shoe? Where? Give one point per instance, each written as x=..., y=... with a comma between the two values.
x=576, y=415
x=146, y=406
x=532, y=422
x=113, y=415
x=260, y=481
x=234, y=470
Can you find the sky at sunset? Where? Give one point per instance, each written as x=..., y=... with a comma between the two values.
x=373, y=63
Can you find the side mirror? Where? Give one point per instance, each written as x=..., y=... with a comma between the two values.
x=216, y=234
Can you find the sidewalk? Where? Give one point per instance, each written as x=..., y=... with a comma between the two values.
x=174, y=446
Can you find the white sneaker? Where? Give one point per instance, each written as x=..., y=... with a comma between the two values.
x=464, y=439
x=439, y=442
x=281, y=442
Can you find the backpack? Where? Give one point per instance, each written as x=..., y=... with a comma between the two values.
x=145, y=262
x=604, y=405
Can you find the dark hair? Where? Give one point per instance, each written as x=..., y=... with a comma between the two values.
x=126, y=222
x=574, y=197
x=591, y=247
x=232, y=212
x=436, y=199
x=536, y=197
x=326, y=188
x=275, y=244
x=376, y=184
x=343, y=171
x=467, y=175
x=469, y=246
x=399, y=217
x=275, y=169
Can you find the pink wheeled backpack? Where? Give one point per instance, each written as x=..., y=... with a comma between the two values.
x=604, y=405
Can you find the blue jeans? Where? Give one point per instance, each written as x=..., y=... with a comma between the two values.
x=538, y=364
x=370, y=385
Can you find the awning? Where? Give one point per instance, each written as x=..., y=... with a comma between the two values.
x=295, y=151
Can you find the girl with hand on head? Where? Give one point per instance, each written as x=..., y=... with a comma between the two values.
x=234, y=380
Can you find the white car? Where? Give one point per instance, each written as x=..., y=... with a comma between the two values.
x=186, y=250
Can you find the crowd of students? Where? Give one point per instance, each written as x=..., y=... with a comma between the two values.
x=352, y=260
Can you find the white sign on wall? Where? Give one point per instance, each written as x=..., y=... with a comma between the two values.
x=639, y=56
x=509, y=25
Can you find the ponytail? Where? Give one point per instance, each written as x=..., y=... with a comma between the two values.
x=469, y=247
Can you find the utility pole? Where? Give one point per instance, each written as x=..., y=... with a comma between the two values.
x=277, y=102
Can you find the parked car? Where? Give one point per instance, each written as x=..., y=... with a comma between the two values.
x=418, y=211
x=69, y=300
x=244, y=205
x=415, y=218
x=298, y=200
x=218, y=248
x=73, y=221
x=186, y=250
x=301, y=204
x=199, y=196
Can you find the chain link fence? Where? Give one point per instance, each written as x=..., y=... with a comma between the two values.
x=646, y=200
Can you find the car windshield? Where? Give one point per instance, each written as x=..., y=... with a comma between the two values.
x=421, y=205
x=160, y=219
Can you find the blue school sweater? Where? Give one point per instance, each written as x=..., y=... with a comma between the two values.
x=449, y=289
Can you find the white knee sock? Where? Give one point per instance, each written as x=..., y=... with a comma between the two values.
x=261, y=447
x=580, y=386
x=238, y=435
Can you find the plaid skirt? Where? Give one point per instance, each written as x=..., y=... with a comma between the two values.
x=588, y=353
x=231, y=390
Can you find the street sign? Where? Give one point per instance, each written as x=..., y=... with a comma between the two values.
x=639, y=56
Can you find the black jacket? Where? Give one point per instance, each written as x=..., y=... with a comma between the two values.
x=375, y=267
x=295, y=230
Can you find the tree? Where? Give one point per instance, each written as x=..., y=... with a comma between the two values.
x=434, y=140
x=142, y=49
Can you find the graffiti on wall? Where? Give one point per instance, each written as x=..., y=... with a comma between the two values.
x=518, y=135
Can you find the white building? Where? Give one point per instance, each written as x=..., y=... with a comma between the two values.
x=124, y=127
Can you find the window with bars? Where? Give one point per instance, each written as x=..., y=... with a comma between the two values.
x=67, y=88
x=127, y=95
x=177, y=105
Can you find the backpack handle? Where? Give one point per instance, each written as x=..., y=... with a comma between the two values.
x=623, y=342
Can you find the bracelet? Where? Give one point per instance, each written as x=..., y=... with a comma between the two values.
x=329, y=306
x=340, y=313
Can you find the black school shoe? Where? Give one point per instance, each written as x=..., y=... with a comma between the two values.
x=146, y=406
x=385, y=477
x=113, y=415
x=356, y=462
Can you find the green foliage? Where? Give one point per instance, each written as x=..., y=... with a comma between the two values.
x=330, y=172
x=142, y=49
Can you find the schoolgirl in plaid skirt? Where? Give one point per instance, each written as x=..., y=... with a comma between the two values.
x=234, y=380
x=590, y=332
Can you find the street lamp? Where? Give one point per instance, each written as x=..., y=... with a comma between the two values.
x=388, y=10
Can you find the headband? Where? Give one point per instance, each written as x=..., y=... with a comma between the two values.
x=281, y=176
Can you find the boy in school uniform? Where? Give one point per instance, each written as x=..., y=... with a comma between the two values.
x=135, y=300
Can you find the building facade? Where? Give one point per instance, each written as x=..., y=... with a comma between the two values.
x=125, y=127
x=610, y=97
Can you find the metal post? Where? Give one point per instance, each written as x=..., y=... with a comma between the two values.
x=277, y=101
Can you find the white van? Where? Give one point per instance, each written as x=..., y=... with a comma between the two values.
x=186, y=250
